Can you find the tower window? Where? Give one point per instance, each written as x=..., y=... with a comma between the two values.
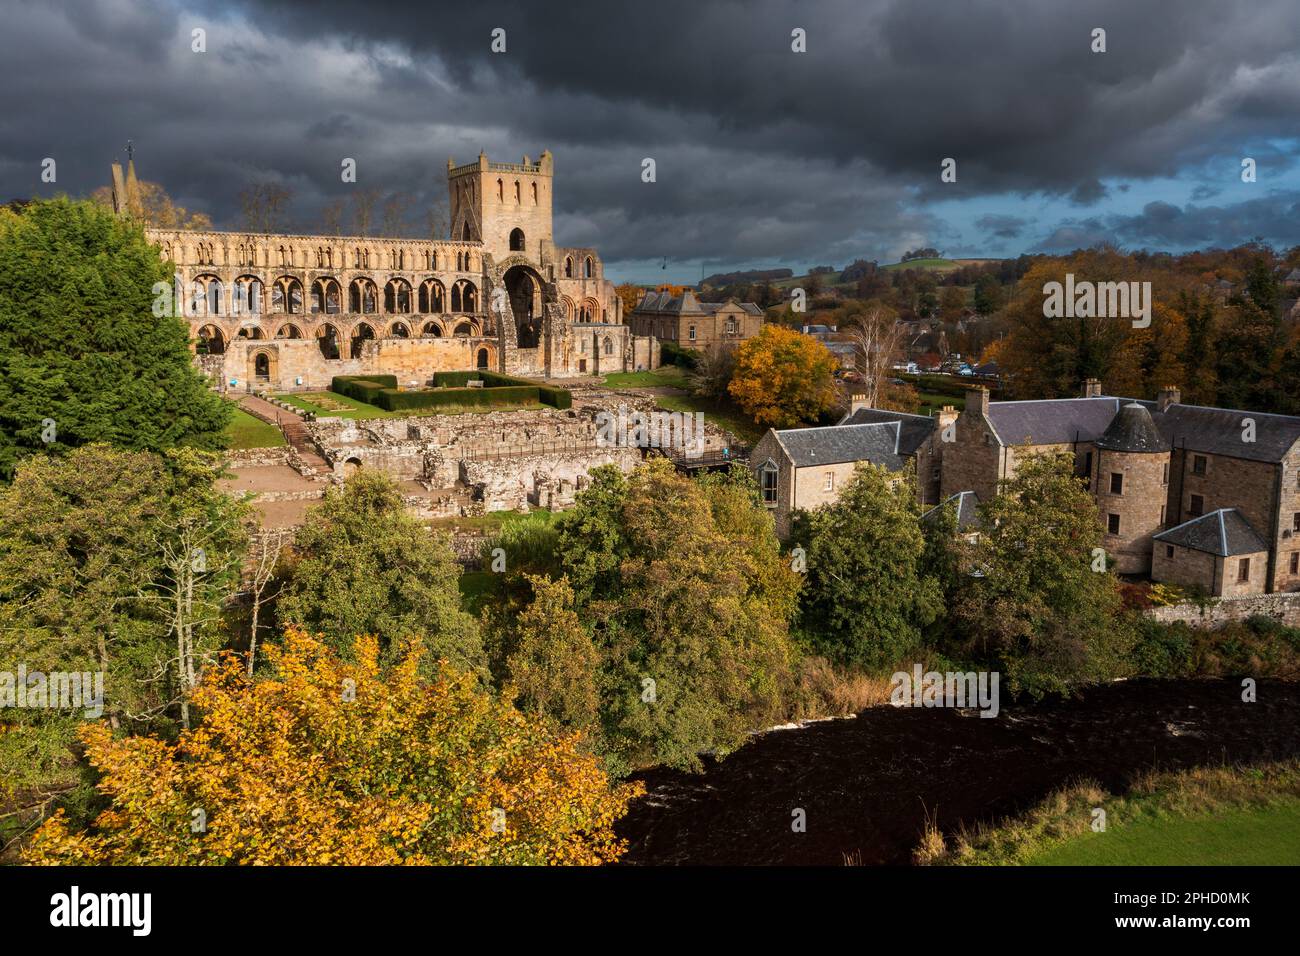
x=1243, y=570
x=1116, y=483
x=1198, y=464
x=1198, y=506
x=1112, y=523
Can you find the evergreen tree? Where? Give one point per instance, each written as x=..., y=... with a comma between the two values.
x=83, y=357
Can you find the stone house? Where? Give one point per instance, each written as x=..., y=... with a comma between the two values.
x=804, y=468
x=690, y=323
x=1151, y=467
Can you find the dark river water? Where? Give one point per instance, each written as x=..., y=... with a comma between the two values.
x=866, y=784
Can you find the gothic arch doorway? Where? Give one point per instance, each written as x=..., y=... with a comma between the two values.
x=524, y=289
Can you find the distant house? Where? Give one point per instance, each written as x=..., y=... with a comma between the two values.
x=690, y=323
x=1292, y=278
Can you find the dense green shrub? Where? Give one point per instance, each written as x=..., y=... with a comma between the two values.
x=670, y=353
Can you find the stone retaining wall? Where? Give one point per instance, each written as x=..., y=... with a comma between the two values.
x=1284, y=608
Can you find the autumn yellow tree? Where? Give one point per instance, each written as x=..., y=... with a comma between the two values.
x=330, y=762
x=783, y=378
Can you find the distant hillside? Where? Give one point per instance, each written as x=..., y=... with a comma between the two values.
x=753, y=275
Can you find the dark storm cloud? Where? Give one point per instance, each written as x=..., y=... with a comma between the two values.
x=1002, y=227
x=762, y=154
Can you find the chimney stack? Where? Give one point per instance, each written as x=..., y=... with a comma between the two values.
x=977, y=400
x=856, y=402
x=947, y=415
x=1168, y=395
x=1092, y=388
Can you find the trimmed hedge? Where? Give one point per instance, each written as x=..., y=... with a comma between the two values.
x=363, y=388
x=382, y=392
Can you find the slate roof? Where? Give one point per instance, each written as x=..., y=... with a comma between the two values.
x=1224, y=533
x=915, y=429
x=967, y=509
x=1054, y=421
x=1219, y=431
x=835, y=444
x=688, y=304
x=1132, y=430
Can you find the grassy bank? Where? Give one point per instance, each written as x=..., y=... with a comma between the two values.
x=1210, y=816
x=245, y=431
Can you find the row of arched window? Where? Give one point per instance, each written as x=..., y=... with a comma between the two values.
x=588, y=268
x=207, y=296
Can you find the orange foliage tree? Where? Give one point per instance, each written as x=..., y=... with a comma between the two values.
x=783, y=377
x=328, y=762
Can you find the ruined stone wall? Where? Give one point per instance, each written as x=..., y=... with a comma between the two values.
x=549, y=481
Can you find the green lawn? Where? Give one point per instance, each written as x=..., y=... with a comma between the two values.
x=672, y=376
x=1262, y=836
x=323, y=404
x=245, y=431
x=931, y=402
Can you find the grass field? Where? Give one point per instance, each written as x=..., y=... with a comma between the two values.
x=492, y=521
x=939, y=265
x=670, y=376
x=931, y=402
x=245, y=431
x=1268, y=836
x=1208, y=816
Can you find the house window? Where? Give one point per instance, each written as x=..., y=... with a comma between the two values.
x=690, y=333
x=1116, y=483
x=1169, y=551
x=1243, y=570
x=731, y=326
x=1112, y=524
x=768, y=482
x=1198, y=507
x=1198, y=464
x=830, y=481
x=1295, y=562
